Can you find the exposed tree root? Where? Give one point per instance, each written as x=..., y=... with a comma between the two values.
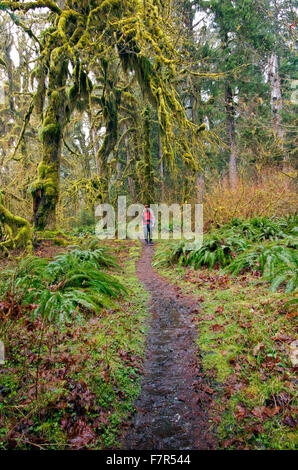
x=18, y=229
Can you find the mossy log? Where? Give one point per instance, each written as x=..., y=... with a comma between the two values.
x=146, y=169
x=18, y=229
x=56, y=237
x=45, y=192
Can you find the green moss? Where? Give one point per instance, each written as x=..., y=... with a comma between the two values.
x=55, y=99
x=215, y=360
x=201, y=128
x=19, y=230
x=48, y=180
x=42, y=170
x=107, y=5
x=51, y=188
x=36, y=186
x=46, y=191
x=49, y=234
x=50, y=132
x=57, y=241
x=58, y=237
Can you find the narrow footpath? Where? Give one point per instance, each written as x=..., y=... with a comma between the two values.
x=172, y=410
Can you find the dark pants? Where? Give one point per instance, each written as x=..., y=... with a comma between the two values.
x=148, y=233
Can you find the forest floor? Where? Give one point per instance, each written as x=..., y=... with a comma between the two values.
x=244, y=338
x=75, y=387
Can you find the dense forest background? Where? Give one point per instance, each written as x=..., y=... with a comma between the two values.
x=180, y=101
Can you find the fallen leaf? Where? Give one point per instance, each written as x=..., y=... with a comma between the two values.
x=290, y=421
x=257, y=348
x=258, y=411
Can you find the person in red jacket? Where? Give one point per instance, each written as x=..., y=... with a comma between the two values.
x=148, y=224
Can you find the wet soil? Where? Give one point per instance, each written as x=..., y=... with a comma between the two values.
x=172, y=410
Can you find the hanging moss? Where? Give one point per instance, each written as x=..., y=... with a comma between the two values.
x=40, y=74
x=72, y=93
x=201, y=128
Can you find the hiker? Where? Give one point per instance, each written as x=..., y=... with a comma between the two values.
x=148, y=224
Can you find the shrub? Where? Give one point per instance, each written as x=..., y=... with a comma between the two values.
x=272, y=193
x=61, y=287
x=259, y=244
x=277, y=263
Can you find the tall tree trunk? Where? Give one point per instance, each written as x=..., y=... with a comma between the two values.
x=161, y=170
x=130, y=181
x=276, y=98
x=148, y=174
x=110, y=107
x=230, y=122
x=188, y=20
x=276, y=106
x=45, y=190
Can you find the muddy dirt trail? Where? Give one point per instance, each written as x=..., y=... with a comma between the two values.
x=172, y=408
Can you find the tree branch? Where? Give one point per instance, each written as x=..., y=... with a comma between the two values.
x=13, y=6
x=24, y=27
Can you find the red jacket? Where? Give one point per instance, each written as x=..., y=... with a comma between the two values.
x=148, y=217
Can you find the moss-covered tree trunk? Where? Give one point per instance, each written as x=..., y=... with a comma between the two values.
x=110, y=114
x=110, y=102
x=148, y=173
x=230, y=122
x=161, y=169
x=45, y=190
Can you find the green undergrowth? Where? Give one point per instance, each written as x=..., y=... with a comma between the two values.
x=263, y=245
x=246, y=345
x=125, y=347
x=72, y=385
x=56, y=237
